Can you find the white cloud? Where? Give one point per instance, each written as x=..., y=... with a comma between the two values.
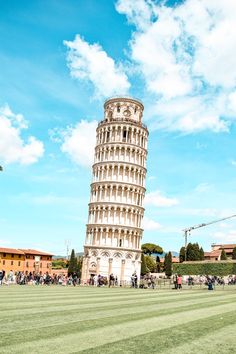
x=150, y=225
x=202, y=187
x=224, y=225
x=186, y=56
x=232, y=101
x=140, y=14
x=225, y=237
x=189, y=114
x=91, y=63
x=12, y=146
x=156, y=199
x=233, y=162
x=78, y=141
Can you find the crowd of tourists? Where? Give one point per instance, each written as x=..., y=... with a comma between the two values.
x=147, y=281
x=206, y=279
x=29, y=278
x=100, y=280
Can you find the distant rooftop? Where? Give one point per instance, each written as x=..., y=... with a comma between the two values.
x=24, y=251
x=36, y=252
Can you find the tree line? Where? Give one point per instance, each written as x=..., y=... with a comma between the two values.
x=73, y=264
x=153, y=265
x=150, y=264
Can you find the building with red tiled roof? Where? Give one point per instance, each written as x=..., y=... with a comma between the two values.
x=227, y=247
x=25, y=260
x=215, y=254
x=35, y=252
x=11, y=250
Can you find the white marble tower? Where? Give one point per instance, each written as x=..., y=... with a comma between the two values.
x=114, y=233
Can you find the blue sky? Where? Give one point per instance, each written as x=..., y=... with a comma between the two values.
x=61, y=59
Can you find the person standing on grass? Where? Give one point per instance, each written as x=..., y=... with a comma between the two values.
x=95, y=280
x=111, y=280
x=2, y=275
x=179, y=282
x=176, y=281
x=135, y=280
x=99, y=280
x=74, y=279
x=153, y=281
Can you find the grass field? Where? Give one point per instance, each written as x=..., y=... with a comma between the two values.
x=101, y=320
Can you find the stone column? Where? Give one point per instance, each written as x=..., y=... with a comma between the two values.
x=122, y=272
x=106, y=237
x=87, y=268
x=112, y=237
x=84, y=271
x=96, y=236
x=110, y=266
x=98, y=265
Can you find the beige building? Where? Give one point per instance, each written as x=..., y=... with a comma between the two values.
x=216, y=250
x=114, y=232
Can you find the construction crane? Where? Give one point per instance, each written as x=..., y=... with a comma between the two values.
x=189, y=229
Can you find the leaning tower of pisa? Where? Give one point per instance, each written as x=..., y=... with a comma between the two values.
x=114, y=232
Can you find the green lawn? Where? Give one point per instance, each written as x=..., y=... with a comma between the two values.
x=101, y=320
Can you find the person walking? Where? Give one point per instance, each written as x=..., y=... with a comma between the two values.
x=111, y=280
x=135, y=279
x=74, y=279
x=2, y=275
x=175, y=281
x=179, y=282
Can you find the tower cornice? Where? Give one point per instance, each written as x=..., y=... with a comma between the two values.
x=117, y=143
x=120, y=205
x=113, y=248
x=119, y=163
x=122, y=121
x=116, y=226
x=126, y=184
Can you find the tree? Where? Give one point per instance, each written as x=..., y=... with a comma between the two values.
x=182, y=254
x=194, y=253
x=234, y=253
x=79, y=266
x=59, y=263
x=151, y=264
x=201, y=253
x=168, y=264
x=158, y=264
x=144, y=268
x=223, y=256
x=72, y=268
x=150, y=248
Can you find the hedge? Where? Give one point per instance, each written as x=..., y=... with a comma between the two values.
x=202, y=268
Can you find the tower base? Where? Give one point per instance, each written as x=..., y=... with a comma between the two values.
x=122, y=263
